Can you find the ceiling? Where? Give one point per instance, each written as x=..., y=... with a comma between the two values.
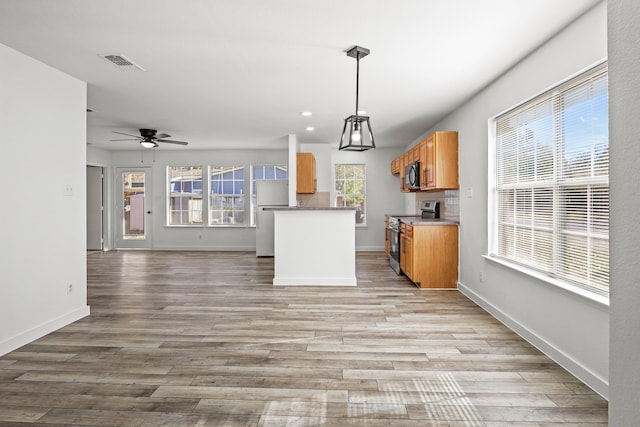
x=237, y=74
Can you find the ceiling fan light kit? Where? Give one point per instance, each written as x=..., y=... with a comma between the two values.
x=357, y=134
x=149, y=138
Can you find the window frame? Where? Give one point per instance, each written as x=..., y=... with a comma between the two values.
x=242, y=196
x=169, y=211
x=560, y=183
x=364, y=186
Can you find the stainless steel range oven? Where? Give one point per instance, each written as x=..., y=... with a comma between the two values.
x=394, y=244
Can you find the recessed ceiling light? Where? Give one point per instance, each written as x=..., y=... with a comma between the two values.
x=306, y=113
x=310, y=128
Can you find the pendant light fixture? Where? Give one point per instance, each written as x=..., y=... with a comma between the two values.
x=356, y=133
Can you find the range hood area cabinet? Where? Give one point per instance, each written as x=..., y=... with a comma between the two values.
x=306, y=173
x=438, y=157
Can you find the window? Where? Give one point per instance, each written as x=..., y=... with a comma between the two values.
x=350, y=189
x=552, y=183
x=259, y=173
x=185, y=195
x=226, y=201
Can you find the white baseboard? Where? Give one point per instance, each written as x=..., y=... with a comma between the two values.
x=204, y=248
x=598, y=384
x=39, y=331
x=369, y=248
x=241, y=248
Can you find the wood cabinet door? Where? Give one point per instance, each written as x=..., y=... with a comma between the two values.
x=306, y=173
x=404, y=161
x=430, y=162
x=423, y=164
x=387, y=237
x=435, y=251
x=445, y=161
x=403, y=252
x=395, y=166
x=409, y=258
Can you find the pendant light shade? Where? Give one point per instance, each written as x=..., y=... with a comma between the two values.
x=356, y=132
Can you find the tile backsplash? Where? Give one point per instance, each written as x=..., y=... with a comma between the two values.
x=449, y=202
x=319, y=199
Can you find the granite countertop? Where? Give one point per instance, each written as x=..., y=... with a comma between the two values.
x=418, y=220
x=296, y=208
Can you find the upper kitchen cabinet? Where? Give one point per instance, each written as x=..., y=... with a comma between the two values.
x=395, y=166
x=438, y=157
x=439, y=161
x=306, y=173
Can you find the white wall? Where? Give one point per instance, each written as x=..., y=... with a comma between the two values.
x=573, y=330
x=240, y=238
x=624, y=111
x=383, y=194
x=43, y=126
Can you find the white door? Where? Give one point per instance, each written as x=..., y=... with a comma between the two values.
x=134, y=220
x=94, y=208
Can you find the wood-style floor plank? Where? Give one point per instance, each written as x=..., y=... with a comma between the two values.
x=204, y=339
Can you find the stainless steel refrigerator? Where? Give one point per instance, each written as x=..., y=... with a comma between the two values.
x=268, y=194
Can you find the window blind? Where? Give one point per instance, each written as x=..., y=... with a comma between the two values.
x=552, y=183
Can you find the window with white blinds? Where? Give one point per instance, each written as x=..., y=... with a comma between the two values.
x=552, y=183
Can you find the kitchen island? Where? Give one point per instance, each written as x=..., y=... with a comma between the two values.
x=314, y=246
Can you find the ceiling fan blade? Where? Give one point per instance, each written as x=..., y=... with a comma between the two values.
x=173, y=142
x=163, y=135
x=128, y=139
x=128, y=134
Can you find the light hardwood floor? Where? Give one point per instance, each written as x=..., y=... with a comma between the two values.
x=202, y=338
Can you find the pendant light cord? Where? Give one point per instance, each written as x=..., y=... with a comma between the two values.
x=357, y=79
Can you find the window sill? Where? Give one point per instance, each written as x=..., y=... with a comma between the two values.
x=576, y=290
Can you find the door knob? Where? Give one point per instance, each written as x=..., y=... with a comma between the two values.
x=148, y=212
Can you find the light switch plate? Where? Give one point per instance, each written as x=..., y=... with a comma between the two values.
x=67, y=190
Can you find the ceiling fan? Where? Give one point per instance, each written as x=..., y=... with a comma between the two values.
x=149, y=138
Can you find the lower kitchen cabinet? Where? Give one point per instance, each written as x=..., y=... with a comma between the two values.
x=429, y=255
x=387, y=237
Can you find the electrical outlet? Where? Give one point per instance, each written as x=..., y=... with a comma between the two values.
x=69, y=288
x=481, y=276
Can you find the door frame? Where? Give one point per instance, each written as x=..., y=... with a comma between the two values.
x=147, y=241
x=95, y=207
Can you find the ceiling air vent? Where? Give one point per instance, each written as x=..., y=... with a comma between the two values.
x=122, y=62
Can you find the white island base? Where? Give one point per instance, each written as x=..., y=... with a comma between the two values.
x=314, y=247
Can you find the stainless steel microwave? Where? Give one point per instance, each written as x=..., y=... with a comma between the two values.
x=412, y=176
